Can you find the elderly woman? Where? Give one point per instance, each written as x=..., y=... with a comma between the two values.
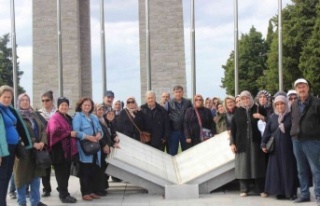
x=230, y=105
x=198, y=122
x=63, y=147
x=130, y=118
x=245, y=143
x=88, y=128
x=220, y=119
x=281, y=177
x=263, y=99
x=11, y=128
x=31, y=172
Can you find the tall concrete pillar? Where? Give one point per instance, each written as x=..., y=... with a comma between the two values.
x=166, y=46
x=76, y=49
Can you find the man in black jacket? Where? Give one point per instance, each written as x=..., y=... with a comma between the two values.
x=156, y=121
x=305, y=132
x=176, y=108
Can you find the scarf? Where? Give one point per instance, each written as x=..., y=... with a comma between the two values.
x=281, y=116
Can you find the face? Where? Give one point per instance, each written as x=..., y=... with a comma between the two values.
x=24, y=103
x=46, y=102
x=63, y=108
x=151, y=100
x=238, y=102
x=221, y=109
x=6, y=98
x=208, y=103
x=230, y=104
x=302, y=90
x=292, y=97
x=280, y=107
x=262, y=99
x=117, y=106
x=165, y=97
x=215, y=101
x=131, y=103
x=198, y=102
x=110, y=116
x=178, y=94
x=245, y=101
x=108, y=100
x=86, y=107
x=100, y=112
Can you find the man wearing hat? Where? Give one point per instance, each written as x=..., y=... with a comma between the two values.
x=305, y=132
x=108, y=100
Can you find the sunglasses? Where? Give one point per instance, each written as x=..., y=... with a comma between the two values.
x=45, y=100
x=292, y=98
x=130, y=102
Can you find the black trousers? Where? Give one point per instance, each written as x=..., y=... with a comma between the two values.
x=101, y=179
x=88, y=176
x=258, y=185
x=62, y=172
x=5, y=174
x=46, y=181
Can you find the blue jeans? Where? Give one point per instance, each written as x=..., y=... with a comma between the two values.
x=12, y=187
x=175, y=137
x=34, y=193
x=307, y=153
x=5, y=174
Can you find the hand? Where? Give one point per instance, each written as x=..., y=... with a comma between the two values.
x=188, y=140
x=258, y=116
x=264, y=150
x=91, y=138
x=233, y=148
x=163, y=141
x=98, y=136
x=117, y=145
x=73, y=134
x=116, y=139
x=38, y=145
x=106, y=149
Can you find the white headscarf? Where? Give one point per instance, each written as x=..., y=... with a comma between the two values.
x=246, y=93
x=283, y=99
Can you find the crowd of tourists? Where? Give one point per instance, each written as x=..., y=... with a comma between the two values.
x=275, y=139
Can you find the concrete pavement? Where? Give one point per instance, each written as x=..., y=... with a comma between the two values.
x=125, y=194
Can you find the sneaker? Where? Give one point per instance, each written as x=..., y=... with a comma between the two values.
x=12, y=195
x=41, y=204
x=263, y=194
x=302, y=199
x=68, y=199
x=243, y=194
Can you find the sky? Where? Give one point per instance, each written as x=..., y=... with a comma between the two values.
x=214, y=28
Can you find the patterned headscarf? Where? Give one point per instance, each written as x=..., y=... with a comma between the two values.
x=283, y=99
x=246, y=93
x=268, y=96
x=24, y=112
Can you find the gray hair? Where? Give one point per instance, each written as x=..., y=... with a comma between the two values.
x=6, y=88
x=151, y=93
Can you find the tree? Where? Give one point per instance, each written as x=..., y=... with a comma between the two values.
x=6, y=68
x=252, y=50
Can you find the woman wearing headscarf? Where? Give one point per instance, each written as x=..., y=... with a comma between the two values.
x=63, y=147
x=281, y=177
x=196, y=120
x=220, y=119
x=230, y=105
x=25, y=170
x=130, y=118
x=12, y=128
x=245, y=143
x=263, y=99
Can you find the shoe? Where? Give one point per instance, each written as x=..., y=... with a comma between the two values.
x=263, y=194
x=280, y=197
x=68, y=199
x=102, y=193
x=302, y=199
x=45, y=194
x=243, y=194
x=87, y=198
x=94, y=196
x=293, y=197
x=41, y=204
x=12, y=195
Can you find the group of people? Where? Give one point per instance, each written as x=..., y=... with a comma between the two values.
x=292, y=119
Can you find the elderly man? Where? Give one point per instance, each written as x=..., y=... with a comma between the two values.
x=305, y=132
x=176, y=109
x=108, y=100
x=165, y=97
x=156, y=121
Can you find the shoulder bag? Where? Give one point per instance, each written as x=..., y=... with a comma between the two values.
x=204, y=132
x=88, y=147
x=42, y=158
x=270, y=143
x=145, y=137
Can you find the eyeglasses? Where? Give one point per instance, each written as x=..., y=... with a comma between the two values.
x=130, y=102
x=198, y=100
x=45, y=100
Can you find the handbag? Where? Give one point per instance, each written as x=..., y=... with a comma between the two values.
x=88, y=147
x=145, y=137
x=20, y=150
x=270, y=143
x=42, y=158
x=204, y=132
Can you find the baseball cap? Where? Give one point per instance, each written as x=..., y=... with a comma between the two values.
x=299, y=81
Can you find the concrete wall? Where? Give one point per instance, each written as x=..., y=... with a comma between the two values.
x=76, y=49
x=167, y=46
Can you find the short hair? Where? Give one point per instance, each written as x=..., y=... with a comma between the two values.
x=6, y=88
x=81, y=101
x=48, y=94
x=151, y=92
x=177, y=87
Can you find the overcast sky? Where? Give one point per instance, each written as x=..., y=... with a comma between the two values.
x=214, y=41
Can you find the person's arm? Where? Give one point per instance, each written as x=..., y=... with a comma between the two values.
x=186, y=125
